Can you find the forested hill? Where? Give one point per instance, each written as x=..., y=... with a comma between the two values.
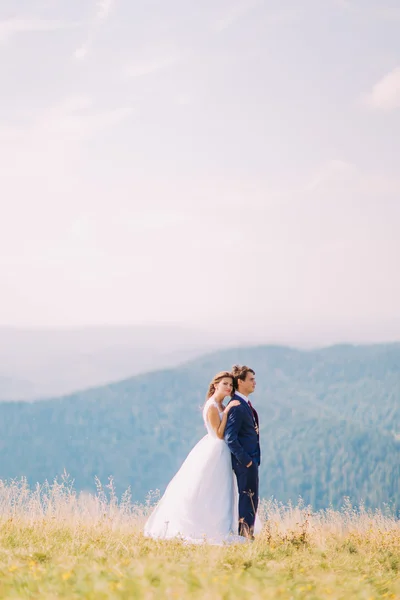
x=330, y=425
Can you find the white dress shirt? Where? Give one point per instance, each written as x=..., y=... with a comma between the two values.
x=242, y=396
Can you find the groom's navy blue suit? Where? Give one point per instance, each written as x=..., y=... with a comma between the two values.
x=242, y=437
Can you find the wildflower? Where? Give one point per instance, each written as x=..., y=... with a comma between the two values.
x=115, y=585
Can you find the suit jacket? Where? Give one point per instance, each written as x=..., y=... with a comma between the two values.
x=241, y=434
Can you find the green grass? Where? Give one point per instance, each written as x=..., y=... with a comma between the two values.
x=56, y=544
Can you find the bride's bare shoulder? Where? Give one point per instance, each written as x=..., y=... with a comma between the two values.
x=211, y=408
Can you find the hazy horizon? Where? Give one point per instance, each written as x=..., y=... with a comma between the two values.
x=230, y=168
x=228, y=338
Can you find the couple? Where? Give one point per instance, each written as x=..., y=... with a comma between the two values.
x=205, y=501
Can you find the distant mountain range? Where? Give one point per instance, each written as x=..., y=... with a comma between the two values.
x=39, y=363
x=330, y=426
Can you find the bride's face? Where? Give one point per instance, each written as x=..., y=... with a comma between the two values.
x=225, y=386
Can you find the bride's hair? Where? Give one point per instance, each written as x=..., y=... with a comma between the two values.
x=216, y=379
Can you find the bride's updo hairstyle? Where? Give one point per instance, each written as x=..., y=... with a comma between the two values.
x=216, y=379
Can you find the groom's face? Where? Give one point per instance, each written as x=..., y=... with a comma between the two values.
x=248, y=386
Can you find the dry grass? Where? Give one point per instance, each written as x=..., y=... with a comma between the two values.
x=56, y=543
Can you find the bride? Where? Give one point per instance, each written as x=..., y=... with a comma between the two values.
x=200, y=502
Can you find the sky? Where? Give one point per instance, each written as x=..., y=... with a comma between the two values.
x=221, y=165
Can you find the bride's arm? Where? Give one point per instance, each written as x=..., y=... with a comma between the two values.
x=219, y=424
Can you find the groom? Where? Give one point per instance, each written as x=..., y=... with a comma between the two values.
x=242, y=437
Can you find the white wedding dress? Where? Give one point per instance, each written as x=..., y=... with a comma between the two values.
x=200, y=503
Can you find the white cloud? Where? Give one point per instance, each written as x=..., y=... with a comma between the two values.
x=71, y=120
x=372, y=12
x=16, y=25
x=81, y=52
x=74, y=104
x=141, y=68
x=52, y=139
x=385, y=94
x=282, y=16
x=330, y=173
x=104, y=8
x=183, y=99
x=148, y=220
x=387, y=12
x=235, y=13
x=345, y=4
x=81, y=228
x=345, y=180
x=241, y=9
x=103, y=11
x=134, y=219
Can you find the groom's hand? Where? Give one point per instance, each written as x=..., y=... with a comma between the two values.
x=250, y=463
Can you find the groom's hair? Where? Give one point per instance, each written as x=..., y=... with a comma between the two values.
x=240, y=372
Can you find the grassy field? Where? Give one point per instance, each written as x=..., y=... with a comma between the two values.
x=55, y=543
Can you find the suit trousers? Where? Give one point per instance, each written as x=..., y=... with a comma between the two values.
x=247, y=481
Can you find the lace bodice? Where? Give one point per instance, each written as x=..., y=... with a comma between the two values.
x=210, y=402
